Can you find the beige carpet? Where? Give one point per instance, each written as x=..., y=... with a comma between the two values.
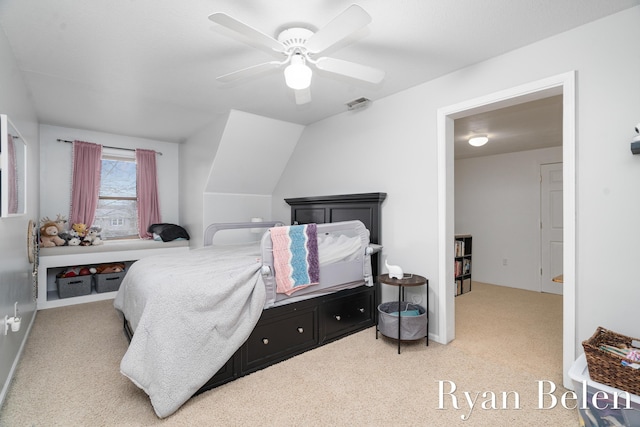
x=512, y=326
x=69, y=375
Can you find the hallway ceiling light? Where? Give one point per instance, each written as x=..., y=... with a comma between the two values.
x=478, y=141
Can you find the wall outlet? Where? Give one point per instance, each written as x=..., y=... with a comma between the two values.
x=504, y=261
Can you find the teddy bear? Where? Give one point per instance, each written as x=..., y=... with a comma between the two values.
x=93, y=236
x=80, y=229
x=49, y=235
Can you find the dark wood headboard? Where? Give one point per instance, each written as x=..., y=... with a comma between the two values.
x=364, y=207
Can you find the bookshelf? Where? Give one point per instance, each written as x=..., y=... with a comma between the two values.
x=463, y=248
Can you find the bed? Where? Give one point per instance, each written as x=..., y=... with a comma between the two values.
x=198, y=323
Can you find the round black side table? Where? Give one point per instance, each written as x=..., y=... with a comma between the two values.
x=408, y=280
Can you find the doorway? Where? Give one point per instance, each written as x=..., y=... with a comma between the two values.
x=562, y=84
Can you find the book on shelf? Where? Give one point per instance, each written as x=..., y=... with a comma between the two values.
x=466, y=266
x=466, y=285
x=458, y=268
x=459, y=247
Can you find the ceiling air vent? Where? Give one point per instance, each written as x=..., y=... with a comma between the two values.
x=358, y=103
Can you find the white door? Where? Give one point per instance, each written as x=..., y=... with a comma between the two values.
x=551, y=227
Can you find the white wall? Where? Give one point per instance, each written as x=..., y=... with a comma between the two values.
x=220, y=208
x=15, y=270
x=388, y=147
x=196, y=156
x=251, y=154
x=497, y=201
x=391, y=147
x=247, y=154
x=56, y=168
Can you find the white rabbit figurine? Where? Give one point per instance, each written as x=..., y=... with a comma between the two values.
x=395, y=272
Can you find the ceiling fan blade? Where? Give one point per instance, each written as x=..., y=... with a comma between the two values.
x=247, y=31
x=343, y=25
x=350, y=69
x=303, y=96
x=248, y=72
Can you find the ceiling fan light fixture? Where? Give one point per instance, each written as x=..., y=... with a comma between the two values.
x=297, y=75
x=478, y=141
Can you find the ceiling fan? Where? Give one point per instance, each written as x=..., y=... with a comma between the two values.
x=300, y=47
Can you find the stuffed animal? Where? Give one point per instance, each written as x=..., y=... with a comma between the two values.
x=49, y=235
x=60, y=221
x=74, y=241
x=80, y=228
x=93, y=236
x=75, y=271
x=115, y=267
x=64, y=235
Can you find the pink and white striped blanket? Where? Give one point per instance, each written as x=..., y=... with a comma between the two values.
x=295, y=257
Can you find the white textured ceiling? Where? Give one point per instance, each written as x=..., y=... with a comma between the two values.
x=147, y=68
x=525, y=126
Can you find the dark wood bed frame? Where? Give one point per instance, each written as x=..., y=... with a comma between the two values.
x=286, y=331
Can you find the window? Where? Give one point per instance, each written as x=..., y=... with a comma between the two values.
x=117, y=211
x=117, y=222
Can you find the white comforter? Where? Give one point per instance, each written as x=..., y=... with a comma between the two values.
x=190, y=313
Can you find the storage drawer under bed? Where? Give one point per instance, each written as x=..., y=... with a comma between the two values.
x=342, y=315
x=279, y=338
x=225, y=374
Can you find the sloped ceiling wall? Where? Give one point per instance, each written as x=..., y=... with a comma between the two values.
x=252, y=154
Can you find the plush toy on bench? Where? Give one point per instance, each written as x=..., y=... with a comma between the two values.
x=93, y=236
x=75, y=271
x=49, y=235
x=115, y=267
x=80, y=230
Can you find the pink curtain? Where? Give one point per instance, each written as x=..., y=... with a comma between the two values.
x=147, y=189
x=85, y=184
x=12, y=177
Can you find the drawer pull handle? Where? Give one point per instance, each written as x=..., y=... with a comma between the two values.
x=361, y=310
x=338, y=317
x=265, y=341
x=301, y=330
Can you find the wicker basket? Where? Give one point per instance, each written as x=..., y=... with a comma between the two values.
x=605, y=367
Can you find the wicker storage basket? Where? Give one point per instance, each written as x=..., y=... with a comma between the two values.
x=605, y=367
